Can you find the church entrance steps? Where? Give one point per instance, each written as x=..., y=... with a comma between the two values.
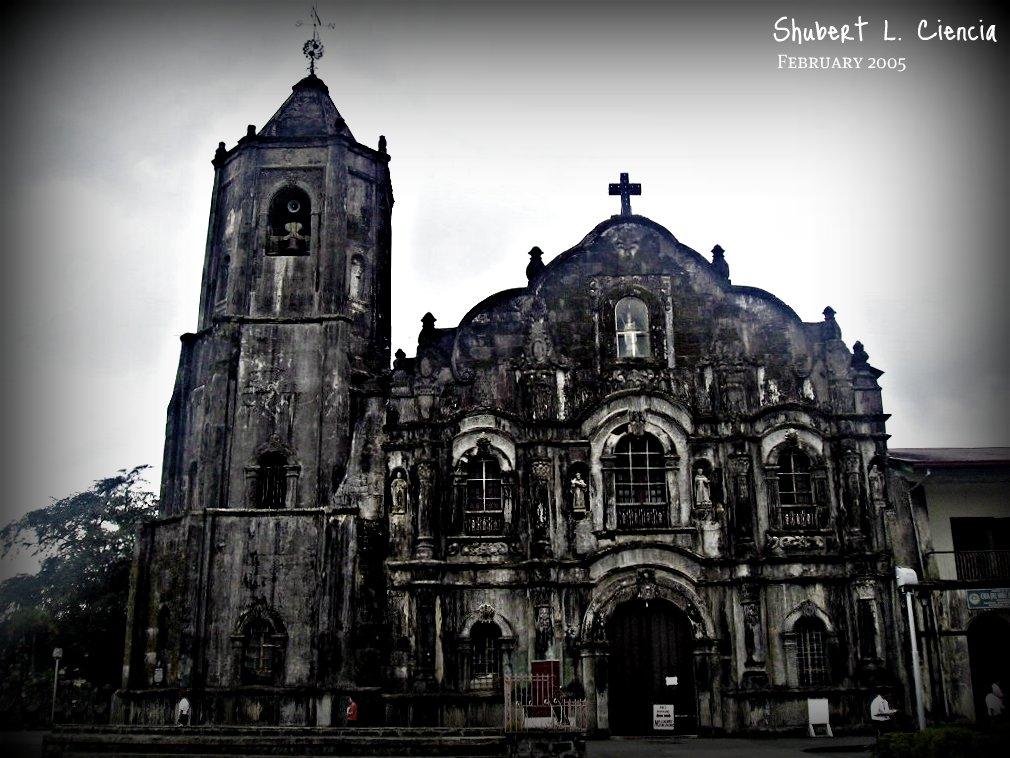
x=207, y=742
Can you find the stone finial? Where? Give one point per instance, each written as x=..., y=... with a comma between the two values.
x=719, y=264
x=427, y=328
x=398, y=358
x=536, y=264
x=830, y=329
x=220, y=154
x=382, y=144
x=859, y=355
x=340, y=124
x=250, y=131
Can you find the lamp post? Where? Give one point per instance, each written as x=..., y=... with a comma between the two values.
x=907, y=579
x=57, y=654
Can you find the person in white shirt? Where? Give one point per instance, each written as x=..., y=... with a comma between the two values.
x=881, y=713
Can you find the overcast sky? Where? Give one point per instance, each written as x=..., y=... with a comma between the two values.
x=883, y=194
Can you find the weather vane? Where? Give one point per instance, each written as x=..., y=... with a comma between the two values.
x=313, y=48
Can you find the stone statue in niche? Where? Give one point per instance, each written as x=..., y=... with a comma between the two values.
x=580, y=494
x=357, y=274
x=544, y=630
x=807, y=389
x=876, y=478
x=399, y=488
x=753, y=639
x=770, y=390
x=751, y=621
x=702, y=489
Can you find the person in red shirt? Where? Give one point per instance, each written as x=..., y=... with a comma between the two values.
x=352, y=711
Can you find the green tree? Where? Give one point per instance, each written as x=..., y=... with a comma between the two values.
x=77, y=599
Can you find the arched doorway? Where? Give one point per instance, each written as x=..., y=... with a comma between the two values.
x=988, y=659
x=650, y=645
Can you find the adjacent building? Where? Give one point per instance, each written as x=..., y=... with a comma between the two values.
x=960, y=501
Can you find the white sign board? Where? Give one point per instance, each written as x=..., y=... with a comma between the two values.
x=662, y=717
x=671, y=681
x=818, y=717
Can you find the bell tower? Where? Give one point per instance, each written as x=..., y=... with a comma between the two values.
x=294, y=314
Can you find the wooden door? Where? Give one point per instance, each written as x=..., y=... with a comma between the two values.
x=650, y=642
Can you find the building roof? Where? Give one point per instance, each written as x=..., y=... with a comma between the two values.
x=308, y=112
x=951, y=457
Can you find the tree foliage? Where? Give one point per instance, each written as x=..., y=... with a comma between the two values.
x=77, y=600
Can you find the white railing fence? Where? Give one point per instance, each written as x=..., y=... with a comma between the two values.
x=535, y=703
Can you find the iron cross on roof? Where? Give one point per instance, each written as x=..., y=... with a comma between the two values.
x=625, y=189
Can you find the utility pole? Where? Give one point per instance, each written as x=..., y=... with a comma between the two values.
x=907, y=580
x=57, y=654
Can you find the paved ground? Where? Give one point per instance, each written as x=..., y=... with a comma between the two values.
x=21, y=744
x=29, y=745
x=662, y=747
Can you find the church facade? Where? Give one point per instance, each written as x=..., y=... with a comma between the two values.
x=632, y=478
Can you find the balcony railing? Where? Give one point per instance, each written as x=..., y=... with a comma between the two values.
x=799, y=517
x=637, y=516
x=971, y=565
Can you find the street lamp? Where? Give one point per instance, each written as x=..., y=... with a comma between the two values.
x=57, y=654
x=907, y=580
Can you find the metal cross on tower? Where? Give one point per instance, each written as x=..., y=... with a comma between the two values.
x=625, y=189
x=313, y=48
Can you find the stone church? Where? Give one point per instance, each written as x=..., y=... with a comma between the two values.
x=631, y=477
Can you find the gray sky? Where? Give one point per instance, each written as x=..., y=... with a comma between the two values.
x=883, y=194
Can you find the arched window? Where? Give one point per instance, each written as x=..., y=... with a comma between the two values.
x=485, y=655
x=272, y=481
x=290, y=223
x=640, y=483
x=811, y=652
x=261, y=651
x=796, y=506
x=631, y=317
x=484, y=509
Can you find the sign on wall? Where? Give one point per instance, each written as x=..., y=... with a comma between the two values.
x=979, y=600
x=662, y=717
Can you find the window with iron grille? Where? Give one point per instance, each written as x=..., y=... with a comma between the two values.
x=640, y=483
x=485, y=660
x=260, y=652
x=272, y=481
x=483, y=511
x=631, y=317
x=797, y=509
x=811, y=652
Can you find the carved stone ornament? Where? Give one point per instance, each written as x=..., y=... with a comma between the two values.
x=539, y=348
x=636, y=424
x=486, y=612
x=627, y=241
x=780, y=544
x=485, y=549
x=808, y=609
x=646, y=585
